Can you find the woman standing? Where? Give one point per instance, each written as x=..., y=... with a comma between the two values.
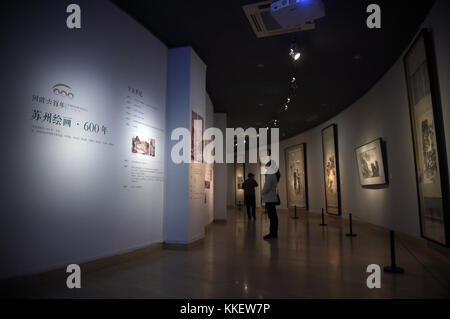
x=270, y=197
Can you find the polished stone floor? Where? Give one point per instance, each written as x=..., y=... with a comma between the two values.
x=307, y=261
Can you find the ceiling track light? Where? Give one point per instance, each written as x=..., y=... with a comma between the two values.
x=293, y=84
x=294, y=53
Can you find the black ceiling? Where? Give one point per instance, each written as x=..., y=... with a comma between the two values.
x=330, y=78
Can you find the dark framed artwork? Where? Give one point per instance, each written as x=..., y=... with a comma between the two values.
x=239, y=171
x=371, y=166
x=428, y=139
x=197, y=145
x=331, y=170
x=296, y=176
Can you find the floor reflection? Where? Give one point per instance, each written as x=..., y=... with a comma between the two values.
x=233, y=261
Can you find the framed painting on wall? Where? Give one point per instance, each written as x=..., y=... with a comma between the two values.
x=296, y=176
x=240, y=182
x=197, y=141
x=239, y=171
x=428, y=139
x=331, y=170
x=209, y=175
x=370, y=160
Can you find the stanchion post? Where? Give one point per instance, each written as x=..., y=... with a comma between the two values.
x=323, y=219
x=393, y=269
x=295, y=212
x=351, y=227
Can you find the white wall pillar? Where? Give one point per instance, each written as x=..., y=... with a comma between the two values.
x=220, y=174
x=185, y=211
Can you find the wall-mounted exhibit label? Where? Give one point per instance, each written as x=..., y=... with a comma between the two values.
x=58, y=116
x=144, y=155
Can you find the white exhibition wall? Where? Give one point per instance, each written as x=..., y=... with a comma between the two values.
x=85, y=173
x=189, y=199
x=209, y=169
x=177, y=176
x=88, y=173
x=71, y=193
x=197, y=171
x=221, y=175
x=381, y=112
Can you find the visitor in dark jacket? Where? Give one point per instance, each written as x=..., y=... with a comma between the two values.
x=249, y=195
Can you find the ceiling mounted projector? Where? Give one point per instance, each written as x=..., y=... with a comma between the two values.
x=263, y=23
x=292, y=13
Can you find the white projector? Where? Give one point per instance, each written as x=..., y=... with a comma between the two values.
x=292, y=13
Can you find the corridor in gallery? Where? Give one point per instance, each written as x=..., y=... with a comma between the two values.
x=233, y=261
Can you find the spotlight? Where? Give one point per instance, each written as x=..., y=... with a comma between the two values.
x=286, y=107
x=288, y=100
x=294, y=53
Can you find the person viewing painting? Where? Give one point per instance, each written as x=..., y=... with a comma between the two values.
x=270, y=197
x=249, y=195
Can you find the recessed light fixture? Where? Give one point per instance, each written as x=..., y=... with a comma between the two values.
x=260, y=65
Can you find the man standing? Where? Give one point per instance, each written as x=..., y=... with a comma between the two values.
x=249, y=195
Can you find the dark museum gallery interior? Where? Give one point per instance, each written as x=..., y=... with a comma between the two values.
x=104, y=106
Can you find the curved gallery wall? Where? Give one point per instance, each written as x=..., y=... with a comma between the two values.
x=383, y=112
x=80, y=166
